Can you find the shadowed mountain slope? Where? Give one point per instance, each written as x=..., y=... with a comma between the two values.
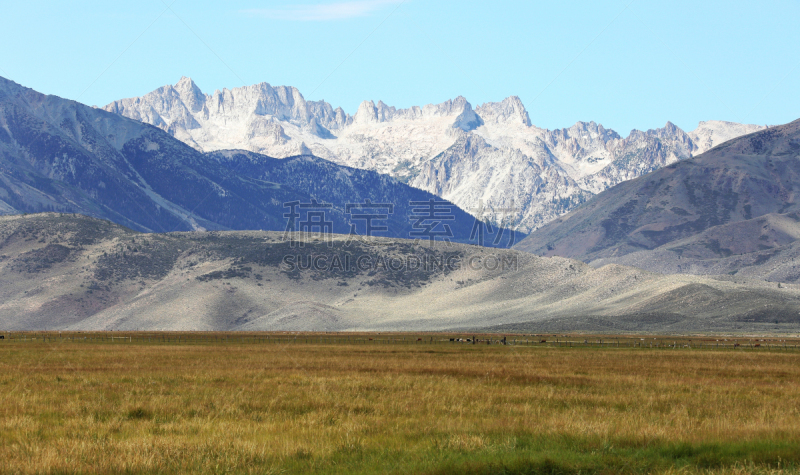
x=766, y=247
x=340, y=185
x=59, y=155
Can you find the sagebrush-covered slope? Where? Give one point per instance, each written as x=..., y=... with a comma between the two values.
x=73, y=272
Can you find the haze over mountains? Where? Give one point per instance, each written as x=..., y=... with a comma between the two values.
x=732, y=210
x=60, y=155
x=489, y=160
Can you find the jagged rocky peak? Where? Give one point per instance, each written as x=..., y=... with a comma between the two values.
x=593, y=129
x=510, y=109
x=185, y=106
x=669, y=130
x=579, y=136
x=449, y=107
x=671, y=133
x=465, y=118
x=327, y=116
x=281, y=102
x=191, y=95
x=710, y=133
x=468, y=119
x=366, y=113
x=369, y=112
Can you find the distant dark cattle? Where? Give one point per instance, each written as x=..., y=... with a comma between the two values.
x=2, y=337
x=543, y=341
x=757, y=345
x=419, y=339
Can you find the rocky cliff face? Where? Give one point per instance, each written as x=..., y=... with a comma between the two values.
x=450, y=149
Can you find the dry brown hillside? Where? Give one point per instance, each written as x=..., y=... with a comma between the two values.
x=73, y=272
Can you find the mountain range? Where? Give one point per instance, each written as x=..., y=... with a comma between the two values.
x=60, y=155
x=490, y=160
x=610, y=217
x=734, y=210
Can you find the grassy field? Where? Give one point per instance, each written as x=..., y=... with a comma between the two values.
x=223, y=405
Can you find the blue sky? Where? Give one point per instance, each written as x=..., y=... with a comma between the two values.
x=626, y=64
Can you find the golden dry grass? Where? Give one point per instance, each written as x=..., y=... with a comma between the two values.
x=72, y=407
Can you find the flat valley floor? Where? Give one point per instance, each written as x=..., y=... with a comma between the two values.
x=257, y=403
